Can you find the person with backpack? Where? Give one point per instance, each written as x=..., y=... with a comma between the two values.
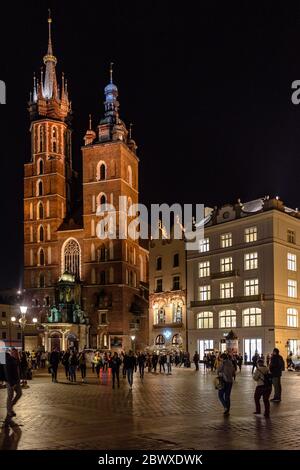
x=264, y=387
x=276, y=368
x=225, y=372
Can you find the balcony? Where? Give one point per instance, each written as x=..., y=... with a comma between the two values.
x=231, y=300
x=225, y=274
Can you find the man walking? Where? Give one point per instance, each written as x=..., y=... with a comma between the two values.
x=141, y=358
x=226, y=372
x=115, y=368
x=196, y=360
x=54, y=361
x=129, y=363
x=276, y=368
x=12, y=377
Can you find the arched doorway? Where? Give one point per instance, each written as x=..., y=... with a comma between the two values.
x=55, y=341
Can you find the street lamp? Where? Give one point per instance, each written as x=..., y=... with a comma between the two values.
x=23, y=321
x=133, y=343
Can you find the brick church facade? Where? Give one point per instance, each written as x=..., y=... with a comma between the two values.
x=85, y=290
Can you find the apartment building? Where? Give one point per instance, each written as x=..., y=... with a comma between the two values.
x=245, y=277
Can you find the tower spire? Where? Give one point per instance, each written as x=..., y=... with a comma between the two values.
x=111, y=72
x=50, y=61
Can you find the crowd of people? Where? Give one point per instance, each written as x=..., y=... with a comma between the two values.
x=19, y=365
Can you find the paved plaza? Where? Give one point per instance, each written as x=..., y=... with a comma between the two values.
x=180, y=411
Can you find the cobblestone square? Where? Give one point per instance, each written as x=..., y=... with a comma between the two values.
x=179, y=411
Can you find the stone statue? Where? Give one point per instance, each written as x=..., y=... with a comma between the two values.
x=79, y=315
x=54, y=316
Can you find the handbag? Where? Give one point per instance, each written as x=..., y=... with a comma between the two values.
x=219, y=382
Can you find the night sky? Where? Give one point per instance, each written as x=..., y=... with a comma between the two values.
x=208, y=89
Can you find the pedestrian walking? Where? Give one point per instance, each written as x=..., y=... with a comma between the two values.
x=65, y=362
x=254, y=361
x=276, y=369
x=54, y=361
x=73, y=363
x=82, y=365
x=263, y=388
x=12, y=378
x=141, y=358
x=130, y=364
x=196, y=360
x=169, y=363
x=225, y=372
x=115, y=368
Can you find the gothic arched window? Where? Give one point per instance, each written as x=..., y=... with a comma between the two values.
x=41, y=257
x=41, y=138
x=71, y=257
x=54, y=139
x=39, y=188
x=40, y=167
x=102, y=172
x=41, y=234
x=40, y=210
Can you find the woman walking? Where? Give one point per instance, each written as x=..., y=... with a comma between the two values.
x=82, y=366
x=263, y=388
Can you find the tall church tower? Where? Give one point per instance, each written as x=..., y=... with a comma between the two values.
x=47, y=180
x=114, y=268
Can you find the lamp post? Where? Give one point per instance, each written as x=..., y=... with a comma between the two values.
x=22, y=321
x=133, y=343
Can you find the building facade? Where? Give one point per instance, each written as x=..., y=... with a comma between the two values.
x=245, y=277
x=167, y=294
x=86, y=286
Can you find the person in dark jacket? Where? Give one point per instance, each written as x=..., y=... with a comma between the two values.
x=141, y=359
x=54, y=361
x=196, y=360
x=12, y=377
x=115, y=368
x=130, y=364
x=276, y=368
x=226, y=372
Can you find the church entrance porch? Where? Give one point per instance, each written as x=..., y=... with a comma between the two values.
x=65, y=335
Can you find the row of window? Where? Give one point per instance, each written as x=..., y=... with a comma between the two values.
x=250, y=317
x=250, y=262
x=159, y=262
x=175, y=284
x=41, y=213
x=251, y=287
x=250, y=236
x=101, y=172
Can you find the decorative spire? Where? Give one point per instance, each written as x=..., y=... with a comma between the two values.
x=111, y=103
x=90, y=122
x=50, y=85
x=111, y=72
x=130, y=130
x=34, y=89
